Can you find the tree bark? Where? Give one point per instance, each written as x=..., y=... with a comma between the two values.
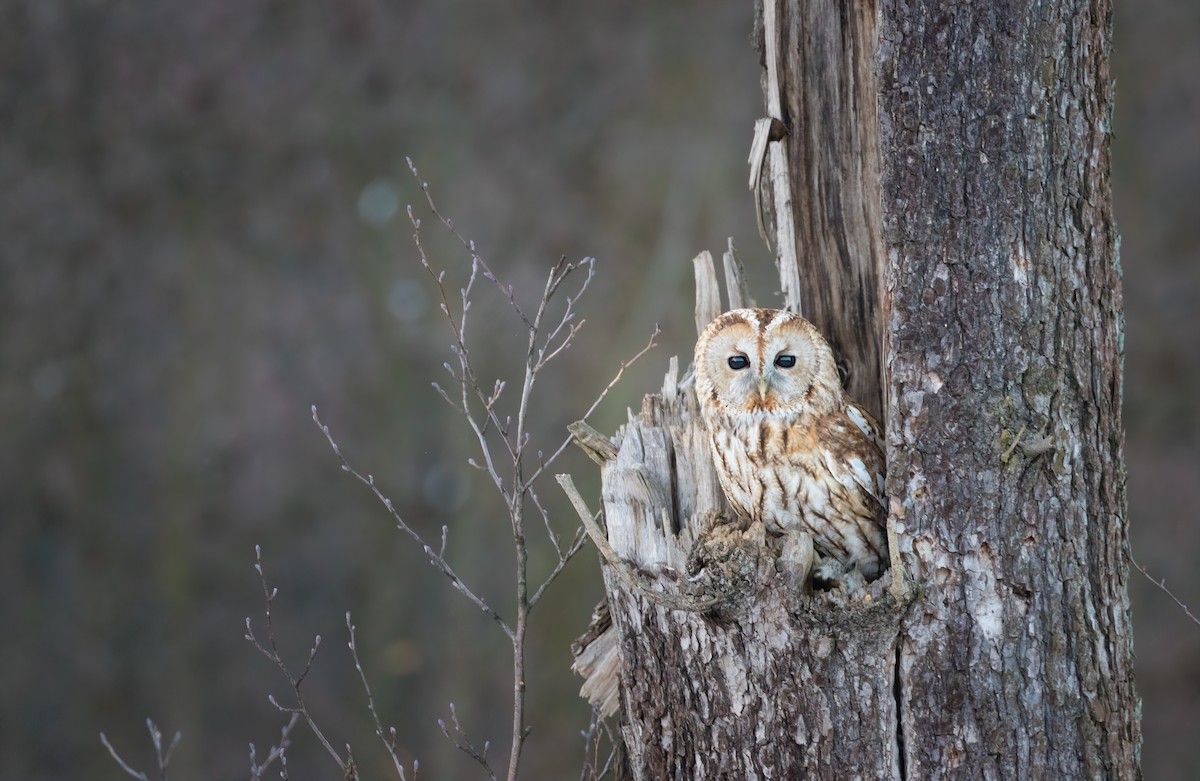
x=943, y=173
x=1004, y=361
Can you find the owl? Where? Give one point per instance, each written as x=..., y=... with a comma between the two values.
x=790, y=449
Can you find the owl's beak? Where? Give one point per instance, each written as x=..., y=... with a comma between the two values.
x=762, y=386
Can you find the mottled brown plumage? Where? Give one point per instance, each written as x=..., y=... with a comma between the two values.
x=790, y=449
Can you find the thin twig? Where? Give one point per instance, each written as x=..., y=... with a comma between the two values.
x=546, y=353
x=435, y=557
x=389, y=740
x=163, y=756
x=596, y=403
x=575, y=547
x=537, y=503
x=271, y=651
x=124, y=766
x=465, y=745
x=467, y=379
x=278, y=752
x=597, y=730
x=507, y=292
x=1162, y=585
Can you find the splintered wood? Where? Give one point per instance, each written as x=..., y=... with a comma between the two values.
x=703, y=639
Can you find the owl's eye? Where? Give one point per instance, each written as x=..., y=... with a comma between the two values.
x=785, y=361
x=737, y=362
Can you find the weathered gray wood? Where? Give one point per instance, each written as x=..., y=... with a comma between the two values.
x=708, y=294
x=598, y=662
x=770, y=155
x=736, y=290
x=1003, y=310
x=822, y=175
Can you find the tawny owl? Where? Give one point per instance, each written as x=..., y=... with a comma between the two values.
x=791, y=450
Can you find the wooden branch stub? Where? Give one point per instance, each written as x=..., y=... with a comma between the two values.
x=736, y=290
x=670, y=389
x=598, y=447
x=708, y=293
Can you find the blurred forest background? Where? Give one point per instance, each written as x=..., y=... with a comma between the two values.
x=202, y=233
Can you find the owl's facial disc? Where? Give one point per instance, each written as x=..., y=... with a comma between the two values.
x=765, y=361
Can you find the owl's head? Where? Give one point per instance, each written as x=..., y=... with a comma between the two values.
x=765, y=360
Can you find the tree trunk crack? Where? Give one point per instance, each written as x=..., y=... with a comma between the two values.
x=898, y=696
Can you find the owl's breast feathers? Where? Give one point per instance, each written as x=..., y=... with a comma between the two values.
x=824, y=474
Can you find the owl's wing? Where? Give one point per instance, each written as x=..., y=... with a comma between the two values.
x=865, y=423
x=852, y=449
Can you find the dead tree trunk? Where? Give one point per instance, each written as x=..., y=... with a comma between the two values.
x=935, y=179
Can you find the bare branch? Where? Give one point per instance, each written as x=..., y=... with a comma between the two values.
x=568, y=316
x=117, y=757
x=162, y=755
x=271, y=651
x=550, y=331
x=277, y=752
x=596, y=403
x=597, y=731
x=537, y=503
x=507, y=292
x=464, y=745
x=435, y=558
x=1162, y=585
x=467, y=379
x=389, y=740
x=575, y=547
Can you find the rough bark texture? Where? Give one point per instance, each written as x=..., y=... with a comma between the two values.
x=998, y=319
x=1003, y=353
